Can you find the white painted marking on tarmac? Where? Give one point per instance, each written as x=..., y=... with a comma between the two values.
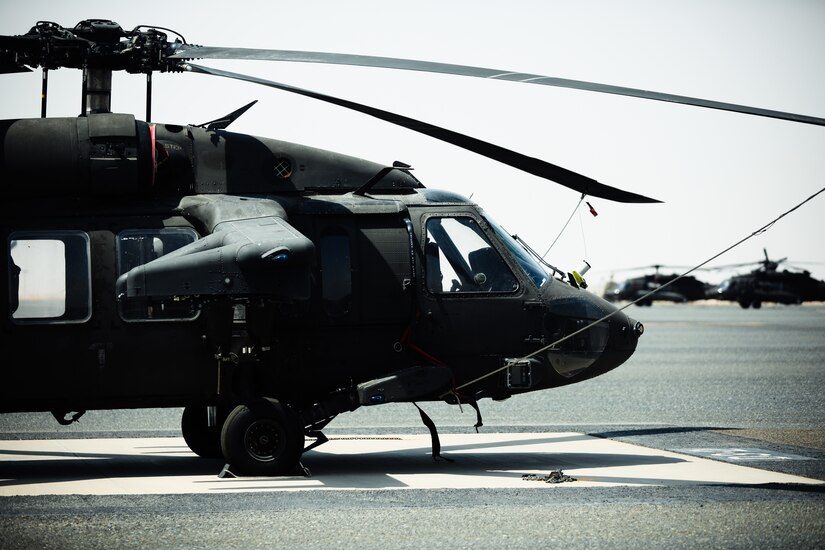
x=166, y=466
x=744, y=455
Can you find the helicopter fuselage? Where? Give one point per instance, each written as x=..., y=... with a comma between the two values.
x=163, y=265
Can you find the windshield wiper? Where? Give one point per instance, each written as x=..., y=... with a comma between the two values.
x=554, y=269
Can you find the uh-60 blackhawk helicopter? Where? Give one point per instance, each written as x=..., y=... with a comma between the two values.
x=768, y=284
x=679, y=289
x=264, y=286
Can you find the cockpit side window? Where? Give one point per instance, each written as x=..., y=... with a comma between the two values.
x=460, y=258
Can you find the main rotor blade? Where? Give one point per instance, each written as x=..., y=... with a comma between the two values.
x=8, y=66
x=13, y=51
x=205, y=52
x=531, y=165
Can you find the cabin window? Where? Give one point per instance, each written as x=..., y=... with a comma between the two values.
x=50, y=277
x=336, y=272
x=136, y=247
x=460, y=258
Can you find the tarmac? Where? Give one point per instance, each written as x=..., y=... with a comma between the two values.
x=165, y=465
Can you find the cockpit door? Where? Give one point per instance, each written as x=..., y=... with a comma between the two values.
x=475, y=299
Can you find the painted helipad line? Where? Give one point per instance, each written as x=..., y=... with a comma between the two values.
x=166, y=466
x=742, y=455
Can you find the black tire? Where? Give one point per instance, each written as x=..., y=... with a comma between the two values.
x=262, y=437
x=203, y=440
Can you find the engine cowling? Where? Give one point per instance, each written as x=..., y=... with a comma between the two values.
x=102, y=154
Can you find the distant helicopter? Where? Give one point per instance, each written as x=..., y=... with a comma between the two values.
x=267, y=287
x=685, y=289
x=767, y=284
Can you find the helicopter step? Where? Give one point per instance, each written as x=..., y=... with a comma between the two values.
x=406, y=385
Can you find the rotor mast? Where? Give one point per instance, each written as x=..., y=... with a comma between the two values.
x=96, y=94
x=97, y=91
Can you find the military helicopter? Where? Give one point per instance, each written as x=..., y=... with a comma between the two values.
x=767, y=284
x=267, y=287
x=681, y=290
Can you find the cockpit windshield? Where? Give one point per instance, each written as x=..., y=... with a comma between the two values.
x=537, y=273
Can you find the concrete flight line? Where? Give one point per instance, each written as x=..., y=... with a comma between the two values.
x=166, y=466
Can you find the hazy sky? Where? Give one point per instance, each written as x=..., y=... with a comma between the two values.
x=722, y=175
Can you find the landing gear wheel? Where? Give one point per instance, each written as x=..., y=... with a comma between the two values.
x=262, y=437
x=202, y=439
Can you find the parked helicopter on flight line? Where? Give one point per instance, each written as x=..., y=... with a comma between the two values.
x=680, y=290
x=767, y=284
x=264, y=286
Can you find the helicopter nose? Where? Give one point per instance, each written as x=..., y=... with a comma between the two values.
x=624, y=336
x=596, y=336
x=634, y=328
